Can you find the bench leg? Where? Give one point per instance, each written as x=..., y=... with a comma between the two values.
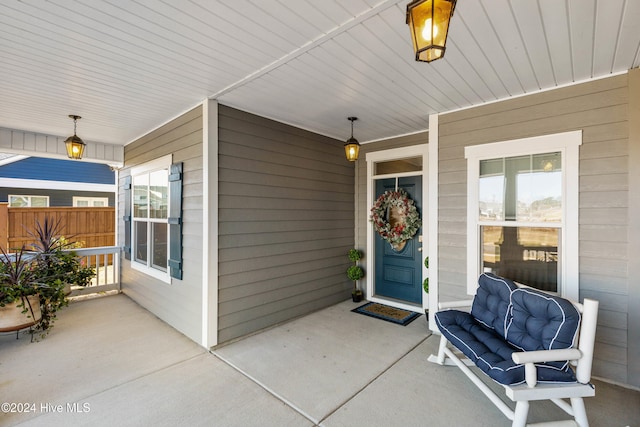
x=520, y=414
x=579, y=412
x=441, y=355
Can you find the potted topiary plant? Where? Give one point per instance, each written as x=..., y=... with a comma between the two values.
x=355, y=273
x=19, y=291
x=58, y=267
x=425, y=283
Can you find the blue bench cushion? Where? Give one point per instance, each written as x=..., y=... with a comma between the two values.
x=490, y=352
x=491, y=303
x=540, y=321
x=483, y=346
x=504, y=319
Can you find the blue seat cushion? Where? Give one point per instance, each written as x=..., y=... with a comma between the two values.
x=490, y=352
x=540, y=321
x=491, y=303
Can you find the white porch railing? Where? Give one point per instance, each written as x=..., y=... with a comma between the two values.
x=106, y=262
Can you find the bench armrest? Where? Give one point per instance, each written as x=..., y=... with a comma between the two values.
x=530, y=358
x=541, y=356
x=455, y=304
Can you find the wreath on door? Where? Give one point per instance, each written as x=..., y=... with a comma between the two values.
x=395, y=217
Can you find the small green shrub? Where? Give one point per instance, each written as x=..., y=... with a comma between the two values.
x=355, y=273
x=355, y=255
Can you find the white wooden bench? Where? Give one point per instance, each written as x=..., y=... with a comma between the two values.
x=525, y=377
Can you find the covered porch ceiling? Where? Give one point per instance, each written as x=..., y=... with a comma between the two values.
x=128, y=67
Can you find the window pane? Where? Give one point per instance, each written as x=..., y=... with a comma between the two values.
x=539, y=190
x=82, y=203
x=524, y=188
x=98, y=203
x=413, y=164
x=159, y=260
x=39, y=202
x=159, y=194
x=18, y=201
x=140, y=249
x=491, y=198
x=526, y=255
x=140, y=200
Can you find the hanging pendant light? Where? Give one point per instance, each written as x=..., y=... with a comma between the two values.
x=352, y=146
x=428, y=21
x=75, y=146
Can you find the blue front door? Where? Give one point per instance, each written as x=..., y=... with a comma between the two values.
x=399, y=272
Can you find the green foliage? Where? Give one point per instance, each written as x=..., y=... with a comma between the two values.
x=18, y=276
x=45, y=270
x=355, y=273
x=57, y=266
x=425, y=283
x=355, y=255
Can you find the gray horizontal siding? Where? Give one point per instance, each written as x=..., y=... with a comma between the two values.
x=599, y=109
x=285, y=222
x=179, y=303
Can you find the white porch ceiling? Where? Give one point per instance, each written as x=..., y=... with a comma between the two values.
x=127, y=67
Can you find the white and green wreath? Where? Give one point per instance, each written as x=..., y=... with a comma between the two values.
x=407, y=217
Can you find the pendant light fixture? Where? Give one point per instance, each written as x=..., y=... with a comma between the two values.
x=428, y=21
x=352, y=146
x=75, y=145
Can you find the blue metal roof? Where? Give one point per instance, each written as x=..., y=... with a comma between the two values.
x=58, y=170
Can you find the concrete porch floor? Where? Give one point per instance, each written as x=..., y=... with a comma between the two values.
x=110, y=362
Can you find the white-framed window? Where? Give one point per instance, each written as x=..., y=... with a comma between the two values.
x=522, y=211
x=85, y=202
x=20, y=201
x=149, y=218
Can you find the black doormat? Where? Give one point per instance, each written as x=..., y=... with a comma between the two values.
x=390, y=314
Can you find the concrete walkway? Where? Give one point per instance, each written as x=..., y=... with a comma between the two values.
x=110, y=362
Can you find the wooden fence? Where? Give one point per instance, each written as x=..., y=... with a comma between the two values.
x=91, y=227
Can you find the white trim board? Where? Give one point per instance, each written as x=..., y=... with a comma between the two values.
x=56, y=185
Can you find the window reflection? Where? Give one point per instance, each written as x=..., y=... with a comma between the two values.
x=158, y=194
x=141, y=241
x=522, y=188
x=160, y=253
x=411, y=164
x=526, y=255
x=140, y=196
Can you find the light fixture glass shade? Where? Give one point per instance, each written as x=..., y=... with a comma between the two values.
x=75, y=147
x=352, y=149
x=352, y=146
x=428, y=22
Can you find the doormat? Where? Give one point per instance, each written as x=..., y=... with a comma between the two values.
x=390, y=314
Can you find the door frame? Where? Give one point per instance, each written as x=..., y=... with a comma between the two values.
x=388, y=155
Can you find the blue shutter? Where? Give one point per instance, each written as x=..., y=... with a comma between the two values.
x=127, y=217
x=175, y=221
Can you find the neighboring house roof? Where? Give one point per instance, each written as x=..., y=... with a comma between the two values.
x=36, y=172
x=58, y=170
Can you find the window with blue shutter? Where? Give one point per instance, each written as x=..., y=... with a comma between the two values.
x=155, y=211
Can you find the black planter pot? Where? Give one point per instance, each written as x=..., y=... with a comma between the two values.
x=356, y=296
